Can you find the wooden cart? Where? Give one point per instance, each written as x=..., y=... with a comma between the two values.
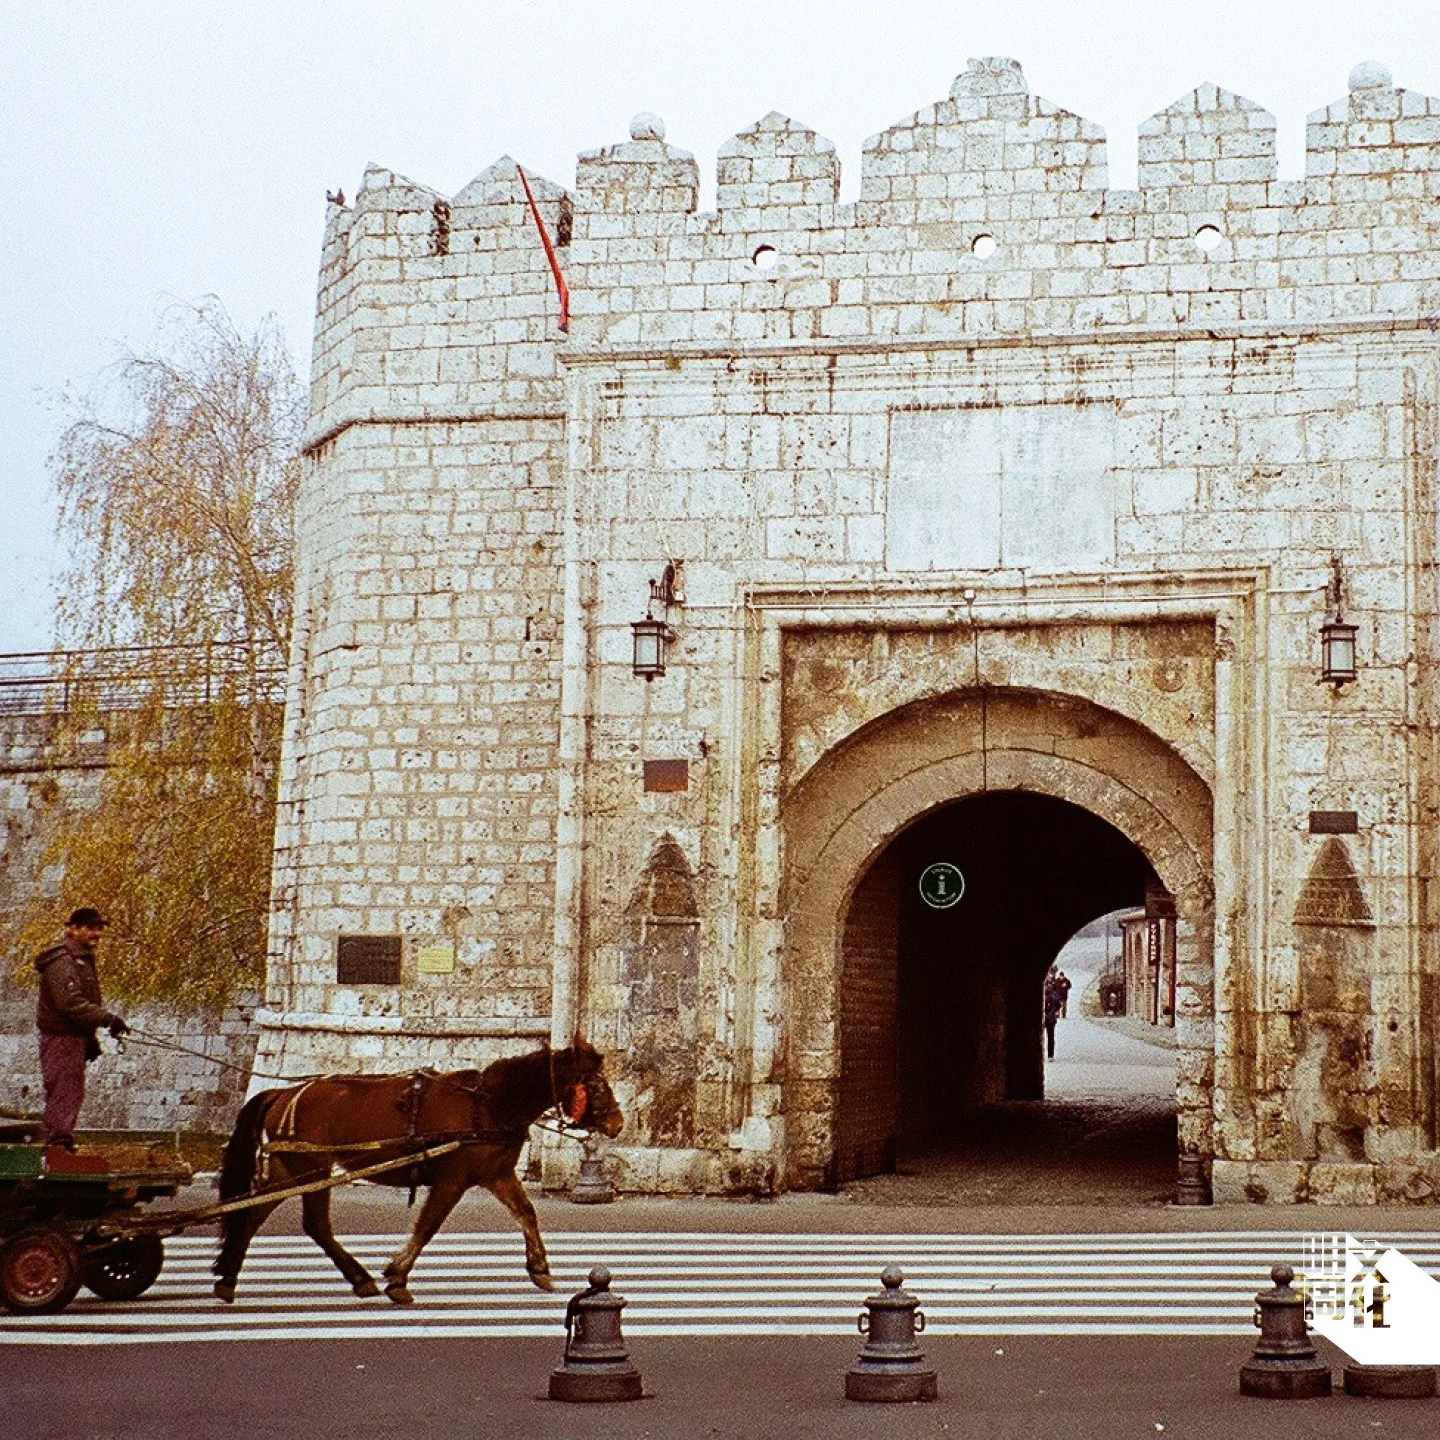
x=59, y=1231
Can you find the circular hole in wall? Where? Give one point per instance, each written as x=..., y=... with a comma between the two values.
x=765, y=257
x=1207, y=237
x=982, y=247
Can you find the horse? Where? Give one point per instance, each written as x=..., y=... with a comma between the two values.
x=297, y=1134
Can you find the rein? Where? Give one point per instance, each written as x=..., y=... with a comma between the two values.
x=555, y=1121
x=158, y=1042
x=562, y=1124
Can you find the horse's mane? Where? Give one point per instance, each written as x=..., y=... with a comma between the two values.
x=521, y=1087
x=510, y=1068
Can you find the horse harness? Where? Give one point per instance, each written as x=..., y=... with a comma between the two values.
x=284, y=1140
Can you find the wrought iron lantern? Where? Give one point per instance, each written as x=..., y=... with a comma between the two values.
x=1337, y=639
x=1337, y=650
x=650, y=637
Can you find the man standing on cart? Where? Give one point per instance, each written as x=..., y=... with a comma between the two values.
x=68, y=1017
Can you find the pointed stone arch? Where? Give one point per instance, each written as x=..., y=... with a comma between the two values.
x=1331, y=894
x=660, y=973
x=666, y=886
x=1333, y=1029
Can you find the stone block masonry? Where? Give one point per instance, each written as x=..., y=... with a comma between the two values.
x=146, y=1088
x=994, y=481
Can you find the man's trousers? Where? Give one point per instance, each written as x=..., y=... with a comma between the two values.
x=62, y=1067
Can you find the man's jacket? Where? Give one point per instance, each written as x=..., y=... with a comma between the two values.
x=69, y=993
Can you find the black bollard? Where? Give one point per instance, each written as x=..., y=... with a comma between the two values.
x=1390, y=1382
x=891, y=1365
x=1285, y=1365
x=1191, y=1185
x=596, y=1365
x=591, y=1186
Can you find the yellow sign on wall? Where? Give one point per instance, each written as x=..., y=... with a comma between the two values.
x=435, y=959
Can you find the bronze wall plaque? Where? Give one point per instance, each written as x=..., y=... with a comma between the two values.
x=1334, y=822
x=667, y=775
x=367, y=960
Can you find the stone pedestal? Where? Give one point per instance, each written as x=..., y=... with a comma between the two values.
x=1390, y=1382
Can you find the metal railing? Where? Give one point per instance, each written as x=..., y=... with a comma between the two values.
x=61, y=682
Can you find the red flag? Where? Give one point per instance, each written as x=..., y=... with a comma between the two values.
x=549, y=254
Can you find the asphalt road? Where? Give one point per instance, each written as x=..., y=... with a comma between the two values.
x=1001, y=1385
x=1098, y=1156
x=1039, y=1388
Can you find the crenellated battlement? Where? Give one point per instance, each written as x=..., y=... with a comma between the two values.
x=991, y=138
x=1209, y=137
x=778, y=163
x=985, y=213
x=432, y=302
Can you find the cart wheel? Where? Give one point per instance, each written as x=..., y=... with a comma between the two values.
x=39, y=1271
x=125, y=1269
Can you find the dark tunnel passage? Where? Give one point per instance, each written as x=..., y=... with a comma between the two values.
x=940, y=1008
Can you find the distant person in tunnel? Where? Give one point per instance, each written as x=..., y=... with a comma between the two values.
x=1054, y=1003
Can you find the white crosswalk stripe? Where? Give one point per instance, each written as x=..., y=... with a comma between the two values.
x=473, y=1285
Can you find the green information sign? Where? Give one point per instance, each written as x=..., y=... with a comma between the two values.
x=941, y=885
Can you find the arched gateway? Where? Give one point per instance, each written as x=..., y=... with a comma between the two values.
x=1057, y=810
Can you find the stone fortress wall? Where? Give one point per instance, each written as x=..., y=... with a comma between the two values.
x=145, y=1088
x=994, y=427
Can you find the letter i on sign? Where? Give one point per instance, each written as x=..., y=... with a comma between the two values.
x=941, y=885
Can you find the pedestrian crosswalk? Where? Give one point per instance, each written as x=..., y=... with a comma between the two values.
x=709, y=1284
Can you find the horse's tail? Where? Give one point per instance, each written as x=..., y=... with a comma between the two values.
x=242, y=1150
x=237, y=1176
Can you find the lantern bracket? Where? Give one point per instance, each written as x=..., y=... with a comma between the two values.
x=653, y=635
x=1337, y=636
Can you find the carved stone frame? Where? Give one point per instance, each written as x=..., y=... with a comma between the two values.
x=793, y=905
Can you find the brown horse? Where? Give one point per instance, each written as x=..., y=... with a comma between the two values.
x=296, y=1134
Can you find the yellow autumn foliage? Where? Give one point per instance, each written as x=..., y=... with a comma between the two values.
x=177, y=490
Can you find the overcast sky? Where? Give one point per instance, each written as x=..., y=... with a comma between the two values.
x=156, y=150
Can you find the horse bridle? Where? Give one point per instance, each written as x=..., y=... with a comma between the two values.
x=571, y=1117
